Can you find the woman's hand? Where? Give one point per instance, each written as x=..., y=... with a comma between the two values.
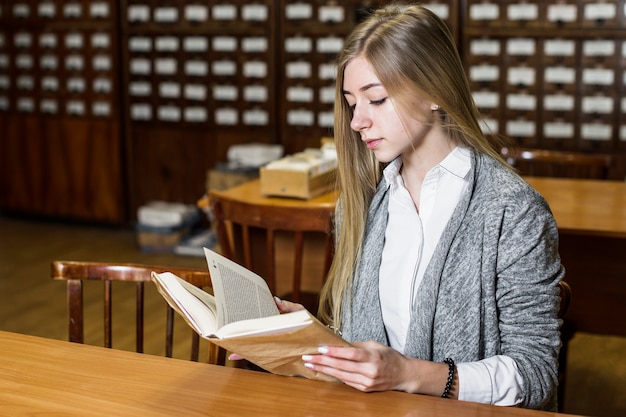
x=285, y=306
x=371, y=366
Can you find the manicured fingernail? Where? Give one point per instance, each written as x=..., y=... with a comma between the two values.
x=307, y=358
x=278, y=300
x=323, y=350
x=308, y=365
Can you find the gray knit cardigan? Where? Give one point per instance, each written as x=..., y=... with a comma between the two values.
x=491, y=287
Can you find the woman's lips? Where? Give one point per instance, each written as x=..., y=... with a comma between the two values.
x=373, y=143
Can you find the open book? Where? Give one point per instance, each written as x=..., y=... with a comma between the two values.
x=242, y=317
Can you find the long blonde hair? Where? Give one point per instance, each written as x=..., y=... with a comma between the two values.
x=413, y=54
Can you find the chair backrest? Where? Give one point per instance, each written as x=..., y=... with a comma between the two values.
x=555, y=163
x=268, y=237
x=76, y=273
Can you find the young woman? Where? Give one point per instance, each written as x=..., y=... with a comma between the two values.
x=446, y=269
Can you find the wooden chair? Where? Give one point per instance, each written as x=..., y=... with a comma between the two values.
x=76, y=273
x=567, y=332
x=554, y=163
x=267, y=236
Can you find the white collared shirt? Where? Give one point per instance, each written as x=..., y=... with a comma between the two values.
x=410, y=241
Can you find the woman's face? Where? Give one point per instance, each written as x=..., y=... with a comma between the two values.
x=384, y=128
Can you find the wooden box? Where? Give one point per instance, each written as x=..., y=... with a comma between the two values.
x=296, y=184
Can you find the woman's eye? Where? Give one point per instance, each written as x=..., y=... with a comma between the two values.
x=378, y=102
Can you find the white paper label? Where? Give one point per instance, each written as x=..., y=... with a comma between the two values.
x=326, y=119
x=521, y=75
x=25, y=82
x=166, y=14
x=195, y=92
x=520, y=46
x=254, y=12
x=167, y=44
x=522, y=11
x=74, y=41
x=75, y=107
x=559, y=47
x=5, y=83
x=23, y=40
x=169, y=90
x=25, y=104
x=224, y=12
x=523, y=102
x=196, y=68
x=21, y=10
x=485, y=47
x=99, y=9
x=597, y=104
x=486, y=99
x=255, y=69
x=520, y=128
x=196, y=44
x=168, y=113
x=102, y=85
x=140, y=44
x=49, y=83
x=558, y=102
x=329, y=45
x=255, y=117
x=562, y=12
x=224, y=68
x=196, y=13
x=327, y=71
x=331, y=14
x=598, y=76
x=101, y=108
x=254, y=44
x=558, y=130
x=300, y=118
x=166, y=66
x=226, y=117
x=596, y=131
x=484, y=73
x=298, y=45
x=138, y=13
x=598, y=48
x=600, y=11
x=141, y=111
x=74, y=62
x=560, y=75
x=48, y=40
x=224, y=43
x=255, y=93
x=74, y=10
x=49, y=106
x=140, y=66
x=298, y=11
x=4, y=61
x=4, y=103
x=100, y=41
x=300, y=94
x=48, y=62
x=327, y=95
x=195, y=114
x=102, y=63
x=298, y=70
x=140, y=88
x=24, y=61
x=489, y=126
x=484, y=11
x=76, y=85
x=46, y=9
x=225, y=93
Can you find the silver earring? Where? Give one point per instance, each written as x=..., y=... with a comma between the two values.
x=434, y=107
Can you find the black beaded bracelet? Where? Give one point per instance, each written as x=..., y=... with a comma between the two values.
x=446, y=390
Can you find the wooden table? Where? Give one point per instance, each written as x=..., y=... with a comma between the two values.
x=51, y=377
x=591, y=216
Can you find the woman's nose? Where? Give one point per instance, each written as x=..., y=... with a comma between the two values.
x=360, y=120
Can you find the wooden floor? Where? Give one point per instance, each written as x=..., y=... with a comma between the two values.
x=31, y=303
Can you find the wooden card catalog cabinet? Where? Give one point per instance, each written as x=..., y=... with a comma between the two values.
x=551, y=73
x=201, y=76
x=58, y=83
x=312, y=34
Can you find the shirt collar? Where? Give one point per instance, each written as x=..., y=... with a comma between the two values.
x=458, y=163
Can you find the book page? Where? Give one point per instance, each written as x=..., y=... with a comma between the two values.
x=196, y=306
x=274, y=324
x=240, y=294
